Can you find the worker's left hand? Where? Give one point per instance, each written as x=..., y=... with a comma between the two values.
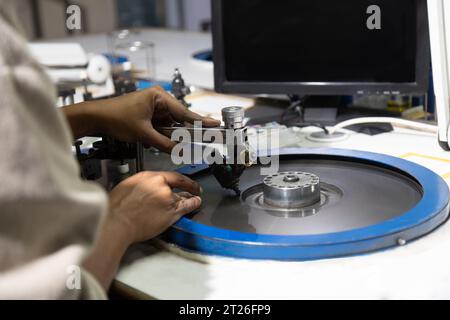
x=133, y=117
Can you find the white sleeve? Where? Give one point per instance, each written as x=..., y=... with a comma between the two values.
x=48, y=215
x=51, y=277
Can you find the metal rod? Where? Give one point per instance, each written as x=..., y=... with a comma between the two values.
x=139, y=157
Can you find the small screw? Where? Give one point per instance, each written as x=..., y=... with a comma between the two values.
x=401, y=241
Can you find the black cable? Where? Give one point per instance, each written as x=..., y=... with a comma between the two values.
x=298, y=103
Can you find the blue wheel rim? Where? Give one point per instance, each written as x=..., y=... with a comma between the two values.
x=431, y=211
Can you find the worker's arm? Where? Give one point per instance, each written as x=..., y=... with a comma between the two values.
x=132, y=117
x=141, y=207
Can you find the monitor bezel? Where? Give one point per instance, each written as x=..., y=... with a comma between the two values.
x=420, y=86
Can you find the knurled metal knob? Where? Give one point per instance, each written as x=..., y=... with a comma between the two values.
x=233, y=117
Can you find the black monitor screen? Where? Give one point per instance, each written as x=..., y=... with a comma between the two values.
x=319, y=41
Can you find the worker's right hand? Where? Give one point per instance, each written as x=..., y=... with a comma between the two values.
x=144, y=205
x=133, y=117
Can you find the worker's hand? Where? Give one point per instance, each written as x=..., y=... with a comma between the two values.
x=144, y=205
x=133, y=117
x=141, y=207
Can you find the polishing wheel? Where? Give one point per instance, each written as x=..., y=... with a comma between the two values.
x=320, y=203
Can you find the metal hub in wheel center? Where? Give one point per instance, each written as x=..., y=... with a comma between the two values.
x=291, y=189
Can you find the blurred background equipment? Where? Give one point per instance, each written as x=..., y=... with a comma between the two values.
x=68, y=64
x=45, y=19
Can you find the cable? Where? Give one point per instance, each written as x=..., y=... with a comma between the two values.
x=394, y=121
x=296, y=105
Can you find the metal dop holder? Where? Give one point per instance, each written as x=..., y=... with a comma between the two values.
x=291, y=189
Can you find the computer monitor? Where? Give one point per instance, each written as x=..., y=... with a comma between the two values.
x=321, y=47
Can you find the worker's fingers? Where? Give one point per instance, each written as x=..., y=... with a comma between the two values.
x=184, y=206
x=191, y=117
x=185, y=194
x=151, y=137
x=177, y=180
x=210, y=122
x=181, y=114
